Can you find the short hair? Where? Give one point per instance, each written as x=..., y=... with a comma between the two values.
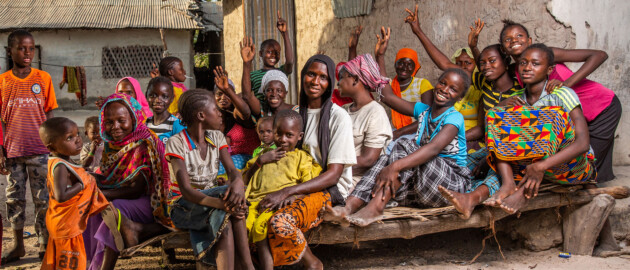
x=158, y=80
x=192, y=102
x=268, y=42
x=509, y=23
x=91, y=120
x=461, y=73
x=166, y=64
x=548, y=52
x=264, y=119
x=54, y=127
x=15, y=35
x=290, y=115
x=497, y=47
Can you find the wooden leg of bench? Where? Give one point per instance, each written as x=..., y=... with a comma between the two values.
x=168, y=256
x=582, y=226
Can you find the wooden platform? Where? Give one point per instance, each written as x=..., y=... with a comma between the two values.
x=407, y=223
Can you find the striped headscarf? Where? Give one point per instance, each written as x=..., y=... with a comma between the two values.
x=364, y=67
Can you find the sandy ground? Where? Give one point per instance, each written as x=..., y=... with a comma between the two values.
x=441, y=251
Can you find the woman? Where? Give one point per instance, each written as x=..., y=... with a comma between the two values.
x=135, y=177
x=327, y=127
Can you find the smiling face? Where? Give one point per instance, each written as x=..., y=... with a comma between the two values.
x=275, y=93
x=160, y=97
x=125, y=87
x=316, y=80
x=69, y=143
x=404, y=68
x=265, y=131
x=177, y=71
x=534, y=66
x=491, y=64
x=515, y=40
x=22, y=51
x=287, y=133
x=270, y=54
x=223, y=100
x=448, y=90
x=118, y=122
x=465, y=62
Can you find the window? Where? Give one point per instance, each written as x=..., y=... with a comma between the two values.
x=130, y=61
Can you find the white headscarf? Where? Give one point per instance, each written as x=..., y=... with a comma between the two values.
x=274, y=75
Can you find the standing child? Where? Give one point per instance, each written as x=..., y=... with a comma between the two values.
x=74, y=196
x=275, y=170
x=213, y=215
x=160, y=97
x=27, y=99
x=264, y=128
x=92, y=151
x=173, y=68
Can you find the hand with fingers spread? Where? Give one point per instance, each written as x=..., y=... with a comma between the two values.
x=354, y=37
x=155, y=72
x=387, y=181
x=553, y=84
x=221, y=79
x=234, y=197
x=412, y=19
x=382, y=42
x=531, y=181
x=282, y=24
x=271, y=156
x=473, y=36
x=248, y=49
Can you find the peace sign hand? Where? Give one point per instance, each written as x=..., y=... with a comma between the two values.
x=382, y=42
x=412, y=19
x=282, y=24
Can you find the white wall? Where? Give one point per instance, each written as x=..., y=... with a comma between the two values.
x=84, y=48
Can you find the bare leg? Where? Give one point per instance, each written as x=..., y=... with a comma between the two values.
x=514, y=202
x=264, y=255
x=224, y=250
x=241, y=245
x=338, y=213
x=109, y=259
x=373, y=211
x=17, y=251
x=465, y=202
x=508, y=185
x=310, y=261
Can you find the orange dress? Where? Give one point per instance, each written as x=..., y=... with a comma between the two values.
x=67, y=220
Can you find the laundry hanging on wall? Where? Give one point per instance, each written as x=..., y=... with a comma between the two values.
x=76, y=80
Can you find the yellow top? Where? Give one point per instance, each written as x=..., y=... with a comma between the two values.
x=469, y=106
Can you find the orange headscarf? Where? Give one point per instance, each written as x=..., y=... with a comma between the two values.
x=398, y=119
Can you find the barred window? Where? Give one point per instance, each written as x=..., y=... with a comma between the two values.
x=130, y=61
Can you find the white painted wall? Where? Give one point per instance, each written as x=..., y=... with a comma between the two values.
x=603, y=25
x=84, y=48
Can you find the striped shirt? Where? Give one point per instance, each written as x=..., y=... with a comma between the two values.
x=23, y=107
x=563, y=96
x=256, y=79
x=489, y=97
x=166, y=129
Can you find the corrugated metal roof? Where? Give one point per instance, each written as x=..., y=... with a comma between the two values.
x=100, y=14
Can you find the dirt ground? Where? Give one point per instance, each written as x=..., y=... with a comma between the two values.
x=452, y=250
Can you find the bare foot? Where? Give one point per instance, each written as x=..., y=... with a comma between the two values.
x=365, y=216
x=506, y=190
x=514, y=202
x=14, y=254
x=464, y=203
x=335, y=214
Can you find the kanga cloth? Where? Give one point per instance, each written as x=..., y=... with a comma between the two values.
x=67, y=220
x=525, y=134
x=288, y=225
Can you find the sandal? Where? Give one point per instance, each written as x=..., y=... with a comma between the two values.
x=113, y=223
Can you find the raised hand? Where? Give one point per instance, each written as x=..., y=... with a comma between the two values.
x=473, y=36
x=412, y=19
x=221, y=79
x=154, y=72
x=354, y=37
x=382, y=41
x=282, y=24
x=248, y=49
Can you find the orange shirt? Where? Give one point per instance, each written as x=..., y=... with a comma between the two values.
x=23, y=104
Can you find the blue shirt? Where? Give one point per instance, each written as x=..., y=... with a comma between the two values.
x=456, y=149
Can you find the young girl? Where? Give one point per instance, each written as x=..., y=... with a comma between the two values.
x=173, y=68
x=160, y=96
x=213, y=215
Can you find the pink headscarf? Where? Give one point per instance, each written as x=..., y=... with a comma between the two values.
x=139, y=95
x=364, y=67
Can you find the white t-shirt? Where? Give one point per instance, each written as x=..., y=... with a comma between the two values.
x=370, y=128
x=341, y=149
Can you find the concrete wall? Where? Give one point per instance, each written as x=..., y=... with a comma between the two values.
x=84, y=48
x=233, y=32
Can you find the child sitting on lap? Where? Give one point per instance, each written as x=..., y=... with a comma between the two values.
x=264, y=128
x=271, y=172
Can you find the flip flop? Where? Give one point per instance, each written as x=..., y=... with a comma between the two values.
x=113, y=223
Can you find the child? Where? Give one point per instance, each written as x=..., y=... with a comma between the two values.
x=273, y=171
x=173, y=68
x=160, y=97
x=27, y=99
x=74, y=196
x=213, y=215
x=92, y=151
x=264, y=128
x=270, y=56
x=131, y=86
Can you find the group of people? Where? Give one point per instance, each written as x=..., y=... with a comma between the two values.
x=249, y=174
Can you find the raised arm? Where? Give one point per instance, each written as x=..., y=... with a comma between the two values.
x=248, y=52
x=441, y=60
x=289, y=58
x=354, y=41
x=473, y=37
x=241, y=109
x=592, y=60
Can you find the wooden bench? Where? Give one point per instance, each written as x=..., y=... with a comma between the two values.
x=408, y=223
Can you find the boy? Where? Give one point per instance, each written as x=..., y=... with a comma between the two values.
x=74, y=196
x=264, y=128
x=160, y=96
x=27, y=99
x=270, y=55
x=92, y=151
x=271, y=172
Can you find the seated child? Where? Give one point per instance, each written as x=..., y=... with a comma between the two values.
x=160, y=97
x=92, y=151
x=213, y=215
x=74, y=196
x=264, y=128
x=173, y=68
x=271, y=172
